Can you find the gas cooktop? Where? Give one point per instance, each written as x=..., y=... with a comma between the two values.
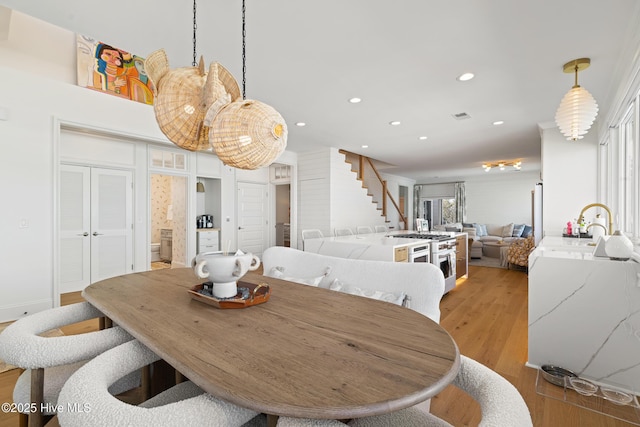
x=437, y=237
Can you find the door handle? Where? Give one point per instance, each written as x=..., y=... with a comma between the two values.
x=95, y=233
x=240, y=228
x=85, y=234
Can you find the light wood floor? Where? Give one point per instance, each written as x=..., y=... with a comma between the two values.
x=487, y=316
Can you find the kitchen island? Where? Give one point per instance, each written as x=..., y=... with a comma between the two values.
x=375, y=246
x=584, y=313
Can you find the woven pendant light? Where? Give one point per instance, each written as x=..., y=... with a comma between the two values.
x=183, y=97
x=248, y=134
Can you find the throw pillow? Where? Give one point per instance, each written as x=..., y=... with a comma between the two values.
x=481, y=229
x=507, y=230
x=395, y=298
x=527, y=231
x=495, y=230
x=278, y=273
x=517, y=230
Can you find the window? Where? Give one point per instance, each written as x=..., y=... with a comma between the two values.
x=448, y=211
x=167, y=160
x=619, y=162
x=629, y=175
x=438, y=211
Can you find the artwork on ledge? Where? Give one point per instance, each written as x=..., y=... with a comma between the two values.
x=111, y=70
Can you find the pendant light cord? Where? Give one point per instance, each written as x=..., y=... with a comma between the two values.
x=244, y=52
x=195, y=27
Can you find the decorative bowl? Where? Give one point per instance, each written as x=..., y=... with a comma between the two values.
x=584, y=387
x=616, y=396
x=555, y=374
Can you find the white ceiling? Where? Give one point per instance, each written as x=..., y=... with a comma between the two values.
x=402, y=57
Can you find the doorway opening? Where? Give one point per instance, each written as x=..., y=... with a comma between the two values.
x=283, y=214
x=168, y=221
x=280, y=177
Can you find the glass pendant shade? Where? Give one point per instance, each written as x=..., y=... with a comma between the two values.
x=576, y=113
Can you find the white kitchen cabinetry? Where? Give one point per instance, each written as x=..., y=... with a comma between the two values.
x=208, y=240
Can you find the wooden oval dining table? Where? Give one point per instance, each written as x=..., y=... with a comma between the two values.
x=307, y=352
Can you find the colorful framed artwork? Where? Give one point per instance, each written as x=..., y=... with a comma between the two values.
x=108, y=69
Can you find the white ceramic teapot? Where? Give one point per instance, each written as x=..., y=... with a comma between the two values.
x=224, y=270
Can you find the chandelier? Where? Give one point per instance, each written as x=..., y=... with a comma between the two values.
x=516, y=164
x=198, y=110
x=578, y=109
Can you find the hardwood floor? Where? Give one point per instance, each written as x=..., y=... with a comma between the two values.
x=487, y=316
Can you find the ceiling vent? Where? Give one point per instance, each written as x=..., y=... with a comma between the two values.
x=461, y=116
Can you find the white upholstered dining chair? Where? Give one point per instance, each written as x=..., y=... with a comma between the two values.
x=500, y=403
x=49, y=361
x=184, y=404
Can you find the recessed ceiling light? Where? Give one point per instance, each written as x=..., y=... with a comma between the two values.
x=365, y=146
x=464, y=77
x=422, y=138
x=301, y=124
x=355, y=100
x=394, y=123
x=498, y=123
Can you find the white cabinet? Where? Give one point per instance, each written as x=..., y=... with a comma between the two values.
x=208, y=240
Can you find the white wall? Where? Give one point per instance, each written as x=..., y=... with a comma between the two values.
x=500, y=197
x=37, y=83
x=393, y=185
x=351, y=206
x=569, y=179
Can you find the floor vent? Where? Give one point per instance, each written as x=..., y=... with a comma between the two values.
x=461, y=116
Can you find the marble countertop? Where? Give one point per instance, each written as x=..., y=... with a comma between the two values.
x=569, y=248
x=379, y=239
x=584, y=313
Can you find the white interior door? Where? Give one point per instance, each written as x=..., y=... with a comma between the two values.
x=111, y=223
x=252, y=217
x=96, y=235
x=75, y=225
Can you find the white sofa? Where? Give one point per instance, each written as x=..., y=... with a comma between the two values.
x=479, y=234
x=423, y=283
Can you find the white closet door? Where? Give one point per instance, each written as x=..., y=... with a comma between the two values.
x=96, y=233
x=111, y=223
x=75, y=227
x=252, y=218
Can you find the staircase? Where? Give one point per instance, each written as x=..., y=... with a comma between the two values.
x=371, y=180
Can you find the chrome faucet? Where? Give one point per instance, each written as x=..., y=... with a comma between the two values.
x=581, y=216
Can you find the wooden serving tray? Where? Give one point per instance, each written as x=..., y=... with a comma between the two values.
x=258, y=294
